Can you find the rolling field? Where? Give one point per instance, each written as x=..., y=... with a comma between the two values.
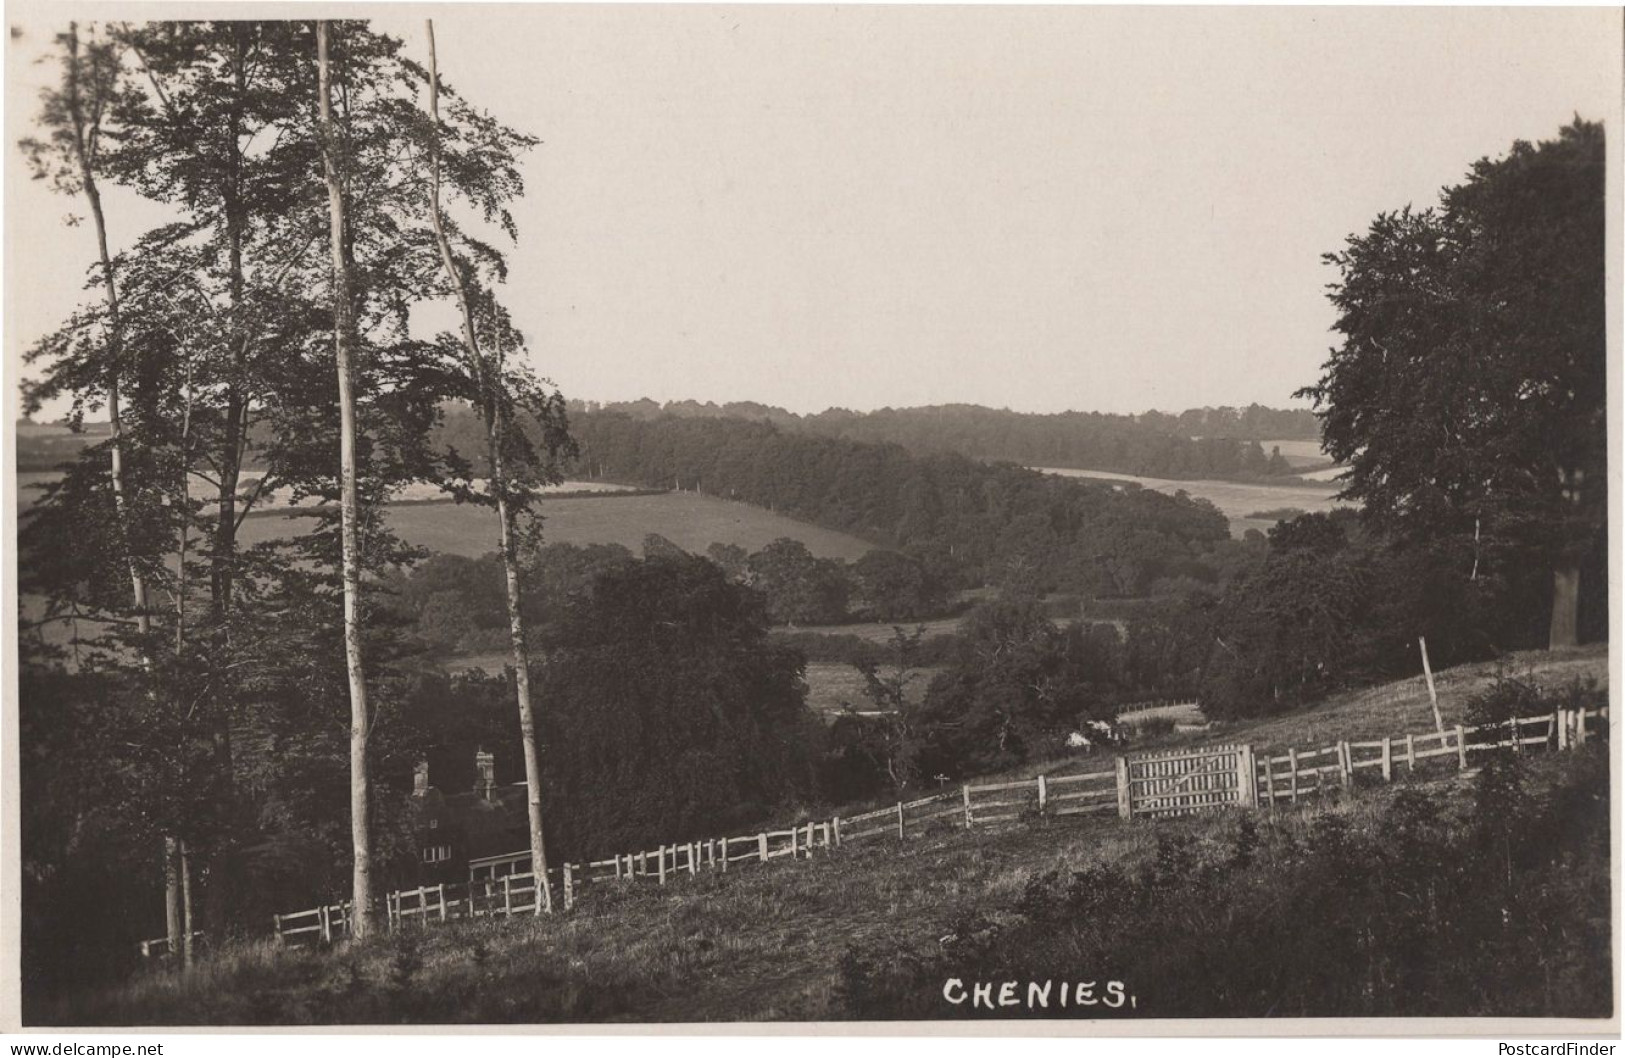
x=1235, y=501
x=691, y=521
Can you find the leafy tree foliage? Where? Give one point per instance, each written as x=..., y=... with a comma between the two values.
x=672, y=713
x=879, y=747
x=897, y=587
x=1019, y=687
x=1468, y=394
x=800, y=588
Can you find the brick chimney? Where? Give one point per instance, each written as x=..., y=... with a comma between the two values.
x=485, y=775
x=420, y=779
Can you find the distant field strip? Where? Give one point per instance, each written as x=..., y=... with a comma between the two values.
x=1235, y=501
x=691, y=521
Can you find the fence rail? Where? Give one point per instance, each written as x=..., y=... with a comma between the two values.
x=1180, y=781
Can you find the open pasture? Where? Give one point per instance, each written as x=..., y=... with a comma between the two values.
x=689, y=520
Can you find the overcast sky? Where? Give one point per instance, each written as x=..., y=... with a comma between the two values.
x=1107, y=209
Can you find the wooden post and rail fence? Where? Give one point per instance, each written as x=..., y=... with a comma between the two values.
x=1171, y=782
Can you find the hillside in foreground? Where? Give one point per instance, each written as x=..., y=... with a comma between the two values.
x=1475, y=893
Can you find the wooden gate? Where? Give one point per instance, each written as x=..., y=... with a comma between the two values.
x=1183, y=781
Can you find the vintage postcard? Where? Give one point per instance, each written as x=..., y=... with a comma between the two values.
x=932, y=519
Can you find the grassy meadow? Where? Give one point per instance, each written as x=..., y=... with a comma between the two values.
x=689, y=520
x=868, y=931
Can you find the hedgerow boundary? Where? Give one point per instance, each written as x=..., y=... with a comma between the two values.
x=1178, y=782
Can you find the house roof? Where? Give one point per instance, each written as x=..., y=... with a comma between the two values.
x=492, y=826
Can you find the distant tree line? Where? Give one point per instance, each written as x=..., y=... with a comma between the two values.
x=1200, y=443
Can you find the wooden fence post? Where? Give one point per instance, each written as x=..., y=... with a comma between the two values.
x=1125, y=794
x=1247, y=778
x=1461, y=747
x=899, y=821
x=662, y=865
x=693, y=858
x=761, y=845
x=507, y=895
x=1292, y=763
x=326, y=919
x=724, y=855
x=1433, y=695
x=441, y=892
x=968, y=818
x=795, y=850
x=1345, y=764
x=1410, y=753
x=1580, y=727
x=1562, y=721
x=277, y=922
x=1387, y=759
x=1043, y=797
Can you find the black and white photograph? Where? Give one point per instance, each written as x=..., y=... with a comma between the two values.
x=811, y=518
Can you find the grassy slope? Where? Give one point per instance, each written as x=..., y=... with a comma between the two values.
x=1393, y=709
x=760, y=943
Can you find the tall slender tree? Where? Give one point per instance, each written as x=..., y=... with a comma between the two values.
x=74, y=115
x=488, y=370
x=349, y=506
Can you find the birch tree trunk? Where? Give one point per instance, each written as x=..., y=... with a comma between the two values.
x=489, y=376
x=343, y=344
x=86, y=133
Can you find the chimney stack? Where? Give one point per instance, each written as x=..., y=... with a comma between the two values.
x=485, y=774
x=420, y=779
